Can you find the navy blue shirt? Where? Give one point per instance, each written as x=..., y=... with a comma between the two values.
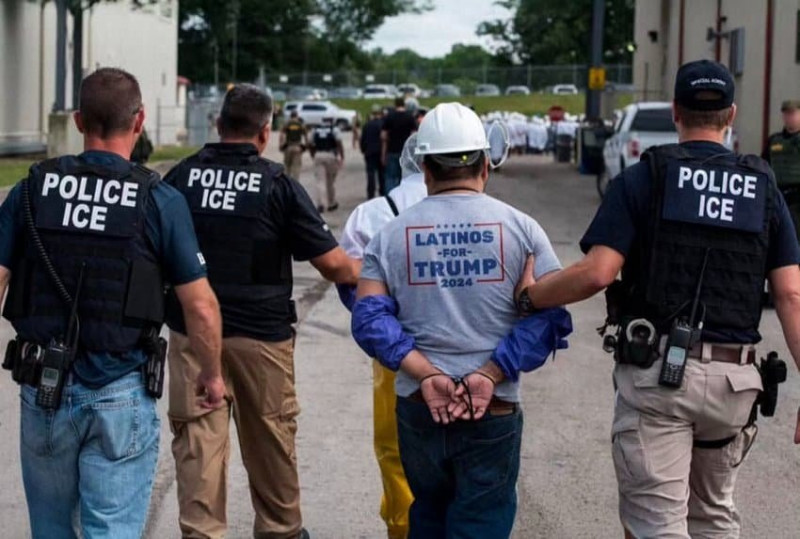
x=626, y=210
x=171, y=233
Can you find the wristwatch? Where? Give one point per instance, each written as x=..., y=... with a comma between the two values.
x=524, y=303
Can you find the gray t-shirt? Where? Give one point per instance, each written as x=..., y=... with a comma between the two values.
x=452, y=262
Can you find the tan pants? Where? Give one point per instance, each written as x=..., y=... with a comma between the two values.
x=667, y=487
x=293, y=160
x=326, y=167
x=260, y=381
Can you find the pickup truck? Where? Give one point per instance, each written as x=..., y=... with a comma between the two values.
x=639, y=127
x=313, y=112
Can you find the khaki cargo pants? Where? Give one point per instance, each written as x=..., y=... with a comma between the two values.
x=326, y=168
x=667, y=487
x=260, y=381
x=293, y=160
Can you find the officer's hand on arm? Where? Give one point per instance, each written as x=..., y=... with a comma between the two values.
x=337, y=267
x=204, y=329
x=785, y=285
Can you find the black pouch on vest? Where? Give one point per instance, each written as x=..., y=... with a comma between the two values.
x=637, y=343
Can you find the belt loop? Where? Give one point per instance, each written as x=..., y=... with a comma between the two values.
x=706, y=353
x=743, y=354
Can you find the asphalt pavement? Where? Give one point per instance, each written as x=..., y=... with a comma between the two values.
x=567, y=487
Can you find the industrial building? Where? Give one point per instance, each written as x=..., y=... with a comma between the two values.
x=756, y=39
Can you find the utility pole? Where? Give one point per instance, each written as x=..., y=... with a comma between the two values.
x=235, y=44
x=77, y=53
x=61, y=56
x=596, y=55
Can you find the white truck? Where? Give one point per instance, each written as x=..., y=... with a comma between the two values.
x=639, y=127
x=313, y=112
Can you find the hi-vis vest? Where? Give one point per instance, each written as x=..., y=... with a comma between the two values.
x=294, y=132
x=91, y=217
x=230, y=205
x=704, y=206
x=784, y=157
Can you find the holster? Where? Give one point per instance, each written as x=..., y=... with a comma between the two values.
x=153, y=370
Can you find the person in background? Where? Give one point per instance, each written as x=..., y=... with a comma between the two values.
x=397, y=127
x=293, y=142
x=782, y=152
x=328, y=153
x=370, y=145
x=362, y=225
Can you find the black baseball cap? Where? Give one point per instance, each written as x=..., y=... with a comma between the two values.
x=710, y=78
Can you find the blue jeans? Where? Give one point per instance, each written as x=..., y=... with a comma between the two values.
x=392, y=173
x=463, y=475
x=90, y=463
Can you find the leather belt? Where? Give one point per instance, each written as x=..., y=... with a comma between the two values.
x=497, y=407
x=740, y=354
x=725, y=354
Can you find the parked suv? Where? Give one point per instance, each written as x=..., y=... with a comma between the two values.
x=313, y=112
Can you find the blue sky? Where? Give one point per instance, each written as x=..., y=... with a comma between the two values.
x=435, y=32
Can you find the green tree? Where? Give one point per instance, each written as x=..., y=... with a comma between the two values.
x=240, y=36
x=555, y=31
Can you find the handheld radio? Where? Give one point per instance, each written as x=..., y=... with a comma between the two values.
x=682, y=337
x=58, y=358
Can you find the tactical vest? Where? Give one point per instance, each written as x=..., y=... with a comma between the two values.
x=784, y=157
x=704, y=208
x=294, y=132
x=231, y=205
x=324, y=139
x=93, y=218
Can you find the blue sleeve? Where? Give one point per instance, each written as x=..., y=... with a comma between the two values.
x=347, y=295
x=614, y=225
x=171, y=231
x=378, y=332
x=11, y=224
x=532, y=340
x=783, y=247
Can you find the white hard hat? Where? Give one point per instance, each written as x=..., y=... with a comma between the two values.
x=450, y=128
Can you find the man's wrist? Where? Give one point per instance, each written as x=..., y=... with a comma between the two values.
x=492, y=371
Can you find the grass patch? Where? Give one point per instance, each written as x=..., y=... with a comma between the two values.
x=172, y=153
x=524, y=104
x=13, y=170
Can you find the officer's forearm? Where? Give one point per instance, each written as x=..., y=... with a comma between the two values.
x=788, y=310
x=582, y=280
x=576, y=283
x=203, y=324
x=204, y=329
